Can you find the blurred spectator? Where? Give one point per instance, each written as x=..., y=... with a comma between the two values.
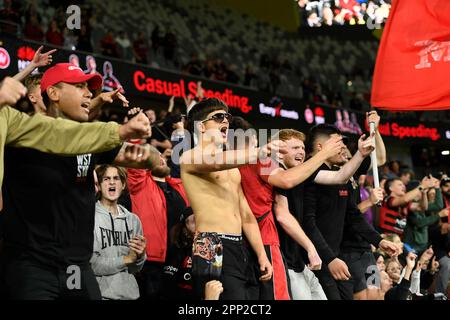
x=162, y=114
x=70, y=39
x=8, y=13
x=210, y=69
x=109, y=45
x=220, y=70
x=84, y=39
x=124, y=44
x=177, y=279
x=33, y=30
x=250, y=76
x=405, y=176
x=232, y=75
x=140, y=48
x=32, y=83
x=157, y=39
x=97, y=32
x=416, y=231
x=54, y=34
x=194, y=66
x=170, y=44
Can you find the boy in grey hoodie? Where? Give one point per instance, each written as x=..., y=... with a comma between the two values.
x=119, y=245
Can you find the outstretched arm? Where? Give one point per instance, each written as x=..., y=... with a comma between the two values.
x=365, y=147
x=68, y=137
x=105, y=97
x=138, y=156
x=39, y=60
x=287, y=179
x=210, y=160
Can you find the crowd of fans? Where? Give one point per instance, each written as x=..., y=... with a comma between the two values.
x=387, y=243
x=129, y=218
x=317, y=13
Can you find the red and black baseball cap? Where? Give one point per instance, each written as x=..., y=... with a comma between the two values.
x=69, y=73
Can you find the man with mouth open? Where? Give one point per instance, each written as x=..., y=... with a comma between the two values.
x=119, y=245
x=49, y=201
x=213, y=186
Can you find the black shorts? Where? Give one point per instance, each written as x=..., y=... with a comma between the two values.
x=26, y=279
x=220, y=257
x=363, y=268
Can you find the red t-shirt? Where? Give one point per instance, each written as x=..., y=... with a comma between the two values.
x=259, y=194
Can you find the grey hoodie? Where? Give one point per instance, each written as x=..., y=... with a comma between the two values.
x=111, y=236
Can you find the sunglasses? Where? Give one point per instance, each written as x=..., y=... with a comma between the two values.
x=220, y=117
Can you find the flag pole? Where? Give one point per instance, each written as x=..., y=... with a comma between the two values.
x=373, y=158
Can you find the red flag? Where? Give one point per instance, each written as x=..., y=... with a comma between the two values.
x=412, y=71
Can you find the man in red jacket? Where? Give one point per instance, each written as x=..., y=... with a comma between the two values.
x=159, y=201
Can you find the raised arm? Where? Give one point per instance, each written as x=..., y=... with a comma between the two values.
x=380, y=150
x=68, y=137
x=197, y=161
x=426, y=183
x=287, y=179
x=39, y=60
x=365, y=147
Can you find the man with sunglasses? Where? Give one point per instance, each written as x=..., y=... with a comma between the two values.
x=213, y=187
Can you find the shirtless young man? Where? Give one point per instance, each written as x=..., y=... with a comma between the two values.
x=213, y=187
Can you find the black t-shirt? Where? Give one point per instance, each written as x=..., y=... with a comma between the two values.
x=294, y=253
x=328, y=209
x=49, y=204
x=175, y=205
x=353, y=241
x=324, y=215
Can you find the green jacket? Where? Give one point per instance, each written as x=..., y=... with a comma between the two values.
x=60, y=136
x=416, y=231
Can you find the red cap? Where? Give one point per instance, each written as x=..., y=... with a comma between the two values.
x=70, y=73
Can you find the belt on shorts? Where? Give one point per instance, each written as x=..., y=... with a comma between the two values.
x=230, y=237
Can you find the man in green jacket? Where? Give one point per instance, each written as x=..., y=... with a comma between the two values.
x=416, y=231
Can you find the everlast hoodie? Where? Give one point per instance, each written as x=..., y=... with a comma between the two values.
x=111, y=237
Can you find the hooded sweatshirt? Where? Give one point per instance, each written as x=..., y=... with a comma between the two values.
x=111, y=237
